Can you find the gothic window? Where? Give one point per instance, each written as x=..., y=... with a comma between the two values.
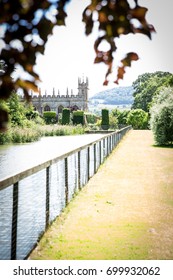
x=46, y=108
x=60, y=108
x=75, y=108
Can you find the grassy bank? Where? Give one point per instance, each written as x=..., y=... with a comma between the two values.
x=33, y=133
x=124, y=212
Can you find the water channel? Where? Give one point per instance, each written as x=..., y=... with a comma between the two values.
x=19, y=157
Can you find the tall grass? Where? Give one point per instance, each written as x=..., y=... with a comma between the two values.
x=59, y=130
x=24, y=135
x=31, y=134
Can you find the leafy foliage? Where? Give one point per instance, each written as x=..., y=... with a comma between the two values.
x=162, y=117
x=149, y=85
x=27, y=25
x=16, y=111
x=138, y=119
x=105, y=119
x=113, y=121
x=49, y=117
x=121, y=116
x=90, y=118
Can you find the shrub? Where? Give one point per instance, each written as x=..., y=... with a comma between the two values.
x=49, y=117
x=138, y=119
x=5, y=137
x=91, y=118
x=121, y=116
x=105, y=119
x=78, y=117
x=161, y=121
x=113, y=122
x=66, y=116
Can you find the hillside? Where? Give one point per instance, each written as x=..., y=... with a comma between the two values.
x=115, y=96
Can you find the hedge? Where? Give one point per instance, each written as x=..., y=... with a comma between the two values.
x=50, y=117
x=66, y=116
x=78, y=117
x=105, y=119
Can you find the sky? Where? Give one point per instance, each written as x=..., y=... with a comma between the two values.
x=69, y=53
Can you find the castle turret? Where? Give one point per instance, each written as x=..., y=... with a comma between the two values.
x=83, y=91
x=67, y=94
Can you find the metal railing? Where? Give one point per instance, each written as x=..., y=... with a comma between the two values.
x=31, y=200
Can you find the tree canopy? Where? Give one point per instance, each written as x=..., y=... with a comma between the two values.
x=149, y=85
x=26, y=26
x=161, y=121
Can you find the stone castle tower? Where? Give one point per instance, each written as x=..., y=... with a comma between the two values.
x=56, y=102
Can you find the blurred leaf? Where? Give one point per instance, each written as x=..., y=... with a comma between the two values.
x=125, y=62
x=120, y=74
x=19, y=18
x=129, y=58
x=27, y=85
x=115, y=19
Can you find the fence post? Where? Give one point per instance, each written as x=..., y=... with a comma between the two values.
x=95, y=160
x=66, y=181
x=104, y=149
x=107, y=145
x=14, y=221
x=79, y=184
x=88, y=163
x=47, y=195
x=110, y=143
x=100, y=152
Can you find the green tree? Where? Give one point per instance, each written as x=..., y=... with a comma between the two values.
x=17, y=111
x=149, y=85
x=27, y=26
x=161, y=121
x=138, y=119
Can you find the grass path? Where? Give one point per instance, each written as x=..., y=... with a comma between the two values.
x=124, y=212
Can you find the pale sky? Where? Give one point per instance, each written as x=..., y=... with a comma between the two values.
x=69, y=52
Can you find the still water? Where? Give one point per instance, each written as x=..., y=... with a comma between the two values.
x=17, y=158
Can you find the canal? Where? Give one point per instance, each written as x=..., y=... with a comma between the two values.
x=16, y=158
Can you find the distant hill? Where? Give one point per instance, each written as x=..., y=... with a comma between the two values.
x=115, y=96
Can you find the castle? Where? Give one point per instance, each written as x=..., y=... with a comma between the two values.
x=57, y=102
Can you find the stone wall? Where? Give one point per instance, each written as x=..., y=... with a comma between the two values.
x=58, y=102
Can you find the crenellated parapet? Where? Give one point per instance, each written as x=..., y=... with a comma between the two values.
x=54, y=101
